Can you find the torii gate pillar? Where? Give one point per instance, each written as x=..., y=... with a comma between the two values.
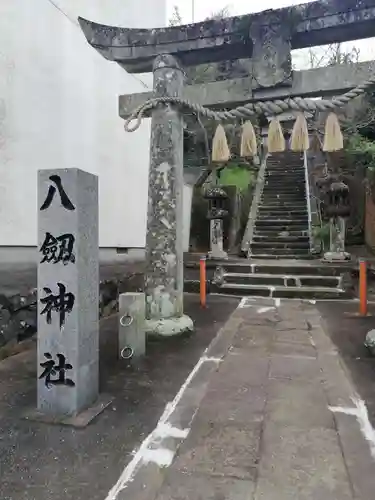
x=164, y=249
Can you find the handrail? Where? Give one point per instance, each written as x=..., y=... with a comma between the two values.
x=248, y=234
x=308, y=196
x=316, y=216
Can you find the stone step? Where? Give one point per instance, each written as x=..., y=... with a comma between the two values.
x=292, y=184
x=293, y=268
x=302, y=292
x=287, y=181
x=291, y=257
x=285, y=163
x=260, y=224
x=280, y=252
x=271, y=191
x=281, y=216
x=282, y=199
x=285, y=171
x=280, y=238
x=274, y=221
x=290, y=235
x=282, y=280
x=277, y=195
x=281, y=176
x=281, y=225
x=261, y=229
x=281, y=212
x=269, y=243
x=290, y=206
x=287, y=191
x=267, y=199
x=295, y=183
x=282, y=179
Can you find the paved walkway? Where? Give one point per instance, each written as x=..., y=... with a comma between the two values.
x=269, y=413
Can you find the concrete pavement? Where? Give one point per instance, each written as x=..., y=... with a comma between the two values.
x=274, y=416
x=268, y=412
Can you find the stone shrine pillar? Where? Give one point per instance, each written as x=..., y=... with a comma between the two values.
x=68, y=291
x=164, y=240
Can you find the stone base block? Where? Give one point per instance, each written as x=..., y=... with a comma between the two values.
x=80, y=420
x=218, y=255
x=169, y=327
x=336, y=257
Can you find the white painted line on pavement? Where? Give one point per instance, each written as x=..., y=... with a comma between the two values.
x=245, y=302
x=150, y=450
x=361, y=414
x=265, y=309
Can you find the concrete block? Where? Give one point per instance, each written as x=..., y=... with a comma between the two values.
x=132, y=333
x=68, y=291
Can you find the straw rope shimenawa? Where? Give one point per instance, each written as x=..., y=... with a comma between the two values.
x=333, y=135
x=272, y=108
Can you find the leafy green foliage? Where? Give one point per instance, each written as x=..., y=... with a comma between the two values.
x=322, y=234
x=237, y=176
x=363, y=149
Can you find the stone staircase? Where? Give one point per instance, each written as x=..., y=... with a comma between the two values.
x=278, y=262
x=281, y=279
x=282, y=228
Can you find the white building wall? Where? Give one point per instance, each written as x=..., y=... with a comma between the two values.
x=59, y=108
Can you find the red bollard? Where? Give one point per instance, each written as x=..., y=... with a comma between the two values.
x=363, y=288
x=203, y=279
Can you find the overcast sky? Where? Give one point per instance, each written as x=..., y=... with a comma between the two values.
x=204, y=8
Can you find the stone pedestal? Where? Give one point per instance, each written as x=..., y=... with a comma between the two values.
x=337, y=251
x=164, y=240
x=68, y=291
x=132, y=335
x=217, y=240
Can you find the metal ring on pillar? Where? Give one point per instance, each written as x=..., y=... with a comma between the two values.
x=127, y=352
x=128, y=318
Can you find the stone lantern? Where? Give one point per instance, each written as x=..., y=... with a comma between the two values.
x=216, y=213
x=337, y=210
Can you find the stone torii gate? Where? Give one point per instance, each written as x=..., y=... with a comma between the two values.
x=267, y=39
